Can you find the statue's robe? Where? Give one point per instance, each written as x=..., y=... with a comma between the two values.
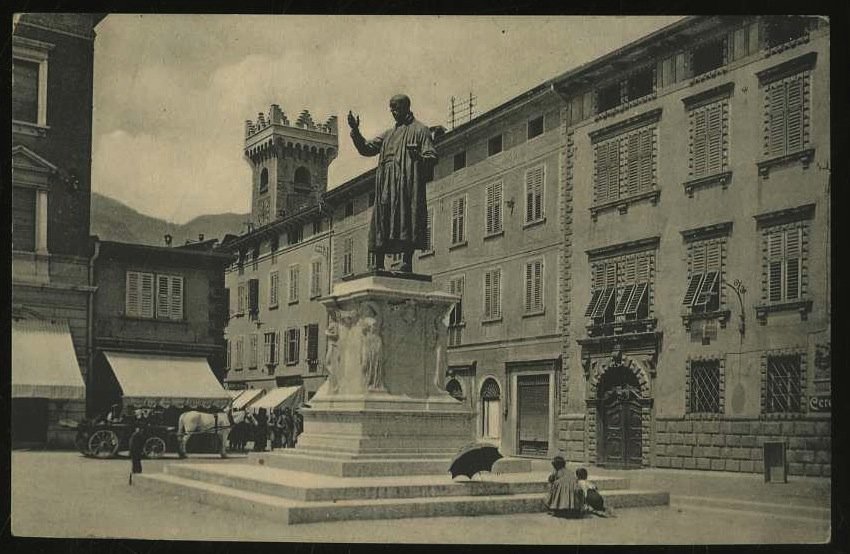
x=400, y=213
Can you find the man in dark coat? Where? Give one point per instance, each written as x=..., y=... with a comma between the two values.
x=407, y=155
x=261, y=432
x=137, y=444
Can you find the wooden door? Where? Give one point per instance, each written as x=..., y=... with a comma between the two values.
x=621, y=427
x=533, y=412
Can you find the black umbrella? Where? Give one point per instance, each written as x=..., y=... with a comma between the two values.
x=473, y=458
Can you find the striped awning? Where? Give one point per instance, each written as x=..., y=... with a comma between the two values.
x=148, y=380
x=44, y=364
x=246, y=398
x=280, y=397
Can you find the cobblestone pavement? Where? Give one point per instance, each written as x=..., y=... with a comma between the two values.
x=62, y=494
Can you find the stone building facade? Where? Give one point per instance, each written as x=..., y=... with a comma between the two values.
x=695, y=285
x=52, y=71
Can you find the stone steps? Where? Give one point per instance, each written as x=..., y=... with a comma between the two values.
x=290, y=511
x=315, y=462
x=309, y=487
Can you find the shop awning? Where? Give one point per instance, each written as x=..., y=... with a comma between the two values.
x=151, y=380
x=280, y=397
x=44, y=364
x=246, y=397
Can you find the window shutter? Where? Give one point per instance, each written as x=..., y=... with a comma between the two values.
x=297, y=342
x=793, y=255
x=642, y=268
x=146, y=297
x=459, y=286
x=713, y=255
x=625, y=298
x=794, y=115
x=497, y=300
x=601, y=185
x=276, y=353
x=162, y=297
x=533, y=194
x=529, y=287
x=594, y=300
x=714, y=161
x=698, y=258
x=601, y=308
x=693, y=286
x=133, y=293
x=699, y=129
x=488, y=295
x=538, y=285
x=429, y=230
x=776, y=116
x=611, y=274
x=231, y=300
x=313, y=342
x=489, y=207
x=497, y=207
x=254, y=296
x=462, y=217
x=267, y=346
x=637, y=299
x=774, y=253
x=647, y=136
x=633, y=164
x=707, y=289
x=177, y=297
x=252, y=350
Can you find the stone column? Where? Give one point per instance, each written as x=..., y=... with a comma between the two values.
x=41, y=222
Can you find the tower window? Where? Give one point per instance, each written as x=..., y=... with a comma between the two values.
x=349, y=209
x=264, y=180
x=302, y=178
x=709, y=56
x=608, y=97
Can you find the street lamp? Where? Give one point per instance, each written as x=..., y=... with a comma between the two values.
x=740, y=291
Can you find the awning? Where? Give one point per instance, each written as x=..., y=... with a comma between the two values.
x=234, y=394
x=44, y=364
x=280, y=397
x=246, y=397
x=151, y=380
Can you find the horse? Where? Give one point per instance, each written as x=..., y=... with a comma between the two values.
x=220, y=423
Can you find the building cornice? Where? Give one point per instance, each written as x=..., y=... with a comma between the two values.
x=707, y=96
x=634, y=122
x=795, y=65
x=624, y=247
x=706, y=231
x=786, y=215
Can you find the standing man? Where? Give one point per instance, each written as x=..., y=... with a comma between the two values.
x=407, y=155
x=137, y=444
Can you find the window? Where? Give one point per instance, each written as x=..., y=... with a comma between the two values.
x=640, y=84
x=613, y=179
x=608, y=97
x=491, y=410
x=349, y=208
x=534, y=184
x=783, y=385
x=454, y=389
x=264, y=180
x=293, y=340
x=274, y=286
x=620, y=288
x=492, y=294
x=271, y=344
x=459, y=220
x=370, y=199
x=241, y=262
x=784, y=263
x=312, y=331
x=23, y=219
x=347, y=254
x=294, y=270
x=237, y=363
x=705, y=386
x=295, y=235
x=709, y=136
x=139, y=297
x=786, y=115
x=429, y=231
x=315, y=278
x=705, y=275
x=459, y=160
x=169, y=297
x=302, y=178
x=708, y=56
x=535, y=127
x=783, y=29
x=456, y=321
x=317, y=227
x=29, y=80
x=241, y=299
x=494, y=145
x=493, y=207
x=253, y=298
x=534, y=287
x=252, y=351
x=744, y=41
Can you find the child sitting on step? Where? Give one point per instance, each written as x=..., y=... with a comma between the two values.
x=593, y=501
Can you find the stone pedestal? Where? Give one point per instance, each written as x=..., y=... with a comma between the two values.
x=386, y=357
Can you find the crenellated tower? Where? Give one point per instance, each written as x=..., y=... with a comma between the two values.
x=289, y=162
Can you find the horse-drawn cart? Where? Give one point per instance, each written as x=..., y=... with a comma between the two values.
x=105, y=439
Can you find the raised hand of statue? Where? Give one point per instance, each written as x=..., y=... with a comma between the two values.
x=353, y=120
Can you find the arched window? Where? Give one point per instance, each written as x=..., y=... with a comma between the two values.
x=491, y=410
x=302, y=177
x=454, y=389
x=264, y=180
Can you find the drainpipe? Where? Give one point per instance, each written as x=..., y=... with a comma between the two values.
x=90, y=321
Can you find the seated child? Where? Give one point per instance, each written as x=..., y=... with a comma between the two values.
x=592, y=500
x=564, y=498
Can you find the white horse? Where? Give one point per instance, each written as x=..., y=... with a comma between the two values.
x=220, y=423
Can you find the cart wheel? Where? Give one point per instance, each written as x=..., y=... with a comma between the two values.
x=82, y=443
x=103, y=443
x=154, y=447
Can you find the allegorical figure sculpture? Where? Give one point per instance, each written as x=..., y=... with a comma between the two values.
x=440, y=341
x=332, y=354
x=407, y=156
x=371, y=348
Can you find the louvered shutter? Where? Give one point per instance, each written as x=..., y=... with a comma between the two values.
x=694, y=285
x=613, y=185
x=633, y=164
x=490, y=205
x=497, y=294
x=268, y=339
x=313, y=342
x=601, y=188
x=253, y=296
x=700, y=137
x=698, y=258
x=594, y=300
x=713, y=255
x=538, y=286
x=488, y=295
x=146, y=298
x=461, y=217
x=163, y=298
x=297, y=342
x=794, y=115
x=625, y=298
x=497, y=207
x=231, y=299
x=646, y=139
x=793, y=256
x=533, y=194
x=714, y=162
x=276, y=353
x=177, y=292
x=637, y=299
x=774, y=253
x=602, y=308
x=529, y=287
x=776, y=118
x=133, y=294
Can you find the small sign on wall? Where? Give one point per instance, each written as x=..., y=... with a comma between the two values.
x=820, y=404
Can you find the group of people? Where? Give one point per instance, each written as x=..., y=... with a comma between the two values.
x=283, y=426
x=572, y=495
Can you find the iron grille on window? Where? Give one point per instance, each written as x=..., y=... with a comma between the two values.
x=705, y=387
x=783, y=389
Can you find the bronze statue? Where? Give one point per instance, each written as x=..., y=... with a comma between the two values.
x=407, y=156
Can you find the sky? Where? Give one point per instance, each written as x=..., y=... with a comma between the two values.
x=172, y=92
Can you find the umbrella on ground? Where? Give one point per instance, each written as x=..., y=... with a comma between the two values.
x=474, y=458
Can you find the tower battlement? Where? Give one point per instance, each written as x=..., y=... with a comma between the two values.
x=276, y=116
